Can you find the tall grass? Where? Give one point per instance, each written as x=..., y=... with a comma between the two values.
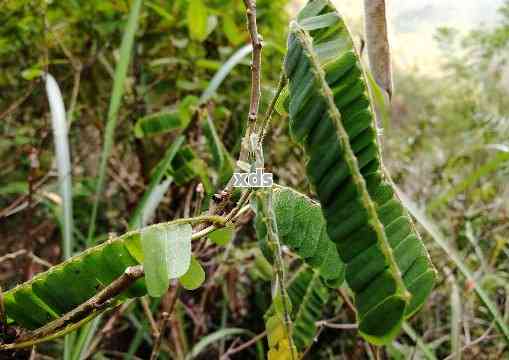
x=63, y=160
x=115, y=100
x=63, y=157
x=440, y=239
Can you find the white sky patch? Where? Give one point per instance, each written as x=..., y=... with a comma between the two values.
x=413, y=24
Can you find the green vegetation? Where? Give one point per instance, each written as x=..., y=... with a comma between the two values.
x=161, y=102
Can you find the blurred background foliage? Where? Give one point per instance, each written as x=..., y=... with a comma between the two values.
x=446, y=146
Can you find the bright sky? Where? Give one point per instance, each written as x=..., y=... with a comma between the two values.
x=414, y=22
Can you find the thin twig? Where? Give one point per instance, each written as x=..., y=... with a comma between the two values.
x=13, y=255
x=483, y=337
x=21, y=100
x=256, y=59
x=328, y=324
x=274, y=245
x=148, y=314
x=270, y=110
x=3, y=318
x=107, y=328
x=244, y=346
x=160, y=333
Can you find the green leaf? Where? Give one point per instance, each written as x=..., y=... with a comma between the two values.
x=302, y=228
x=309, y=295
x=187, y=166
x=67, y=285
x=194, y=277
x=166, y=255
x=178, y=249
x=231, y=30
x=155, y=260
x=161, y=11
x=197, y=20
x=387, y=266
x=215, y=144
x=32, y=73
x=222, y=236
x=115, y=101
x=159, y=123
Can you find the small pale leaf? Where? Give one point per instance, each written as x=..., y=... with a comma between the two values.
x=197, y=20
x=194, y=277
x=178, y=249
x=153, y=243
x=222, y=236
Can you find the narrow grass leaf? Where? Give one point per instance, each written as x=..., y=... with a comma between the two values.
x=223, y=72
x=156, y=189
x=491, y=166
x=210, y=339
x=426, y=350
x=455, y=319
x=115, y=100
x=60, y=136
x=215, y=144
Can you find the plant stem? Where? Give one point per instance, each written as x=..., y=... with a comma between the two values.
x=279, y=281
x=256, y=59
x=93, y=306
x=262, y=131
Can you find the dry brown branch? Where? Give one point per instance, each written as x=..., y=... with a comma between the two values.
x=256, y=61
x=378, y=43
x=148, y=313
x=165, y=317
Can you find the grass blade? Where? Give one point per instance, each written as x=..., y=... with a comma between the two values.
x=214, y=337
x=486, y=169
x=439, y=238
x=455, y=319
x=155, y=190
x=426, y=351
x=63, y=159
x=60, y=135
x=225, y=69
x=116, y=97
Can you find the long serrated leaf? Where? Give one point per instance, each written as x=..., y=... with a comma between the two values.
x=330, y=115
x=301, y=227
x=309, y=295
